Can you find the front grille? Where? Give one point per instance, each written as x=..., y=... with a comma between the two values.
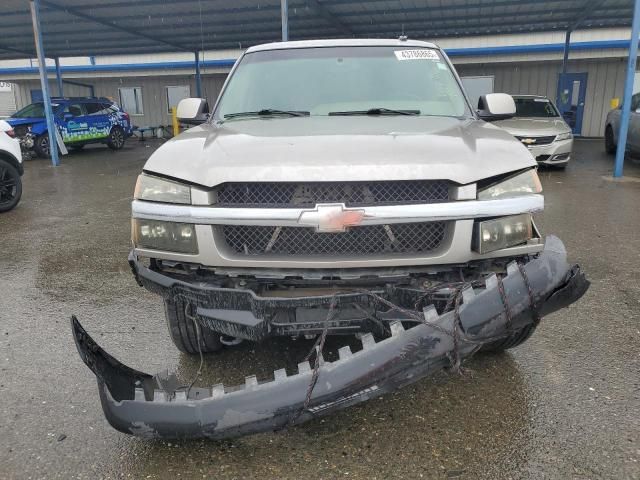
x=408, y=238
x=296, y=195
x=531, y=141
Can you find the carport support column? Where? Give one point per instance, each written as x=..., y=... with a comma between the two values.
x=628, y=91
x=198, y=79
x=284, y=14
x=59, y=78
x=44, y=82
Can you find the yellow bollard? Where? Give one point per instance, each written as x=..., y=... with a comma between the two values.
x=615, y=103
x=174, y=121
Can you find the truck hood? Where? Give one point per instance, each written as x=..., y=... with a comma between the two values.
x=538, y=127
x=340, y=149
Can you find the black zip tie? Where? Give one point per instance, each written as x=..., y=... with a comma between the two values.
x=505, y=303
x=532, y=303
x=318, y=347
x=455, y=358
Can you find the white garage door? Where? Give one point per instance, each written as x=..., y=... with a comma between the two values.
x=7, y=100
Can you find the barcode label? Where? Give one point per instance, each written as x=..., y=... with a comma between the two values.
x=421, y=54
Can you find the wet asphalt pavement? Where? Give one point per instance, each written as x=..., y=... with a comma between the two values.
x=565, y=405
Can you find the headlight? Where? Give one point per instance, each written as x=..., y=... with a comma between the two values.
x=522, y=184
x=167, y=236
x=492, y=235
x=564, y=136
x=156, y=189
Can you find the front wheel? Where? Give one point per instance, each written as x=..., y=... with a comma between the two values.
x=609, y=142
x=41, y=145
x=513, y=340
x=10, y=186
x=185, y=331
x=115, y=140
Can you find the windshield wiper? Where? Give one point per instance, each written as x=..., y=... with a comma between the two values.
x=268, y=112
x=377, y=111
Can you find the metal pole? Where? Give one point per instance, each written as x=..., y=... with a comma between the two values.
x=59, y=78
x=628, y=91
x=284, y=13
x=44, y=82
x=567, y=46
x=198, y=79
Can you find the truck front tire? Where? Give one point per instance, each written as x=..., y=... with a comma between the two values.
x=182, y=330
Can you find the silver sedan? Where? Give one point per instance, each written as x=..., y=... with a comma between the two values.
x=540, y=127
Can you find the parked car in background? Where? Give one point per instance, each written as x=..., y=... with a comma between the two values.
x=10, y=168
x=540, y=127
x=612, y=127
x=80, y=120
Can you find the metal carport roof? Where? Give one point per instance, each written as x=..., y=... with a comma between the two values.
x=86, y=27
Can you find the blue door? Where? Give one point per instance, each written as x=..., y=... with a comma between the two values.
x=572, y=90
x=36, y=96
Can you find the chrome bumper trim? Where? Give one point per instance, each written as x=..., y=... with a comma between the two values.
x=374, y=215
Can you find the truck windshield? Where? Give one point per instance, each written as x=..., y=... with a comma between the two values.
x=35, y=110
x=342, y=81
x=535, y=108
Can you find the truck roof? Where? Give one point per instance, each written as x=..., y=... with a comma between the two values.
x=350, y=42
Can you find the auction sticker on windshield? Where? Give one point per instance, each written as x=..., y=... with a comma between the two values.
x=420, y=54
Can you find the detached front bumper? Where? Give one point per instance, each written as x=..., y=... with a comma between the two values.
x=153, y=407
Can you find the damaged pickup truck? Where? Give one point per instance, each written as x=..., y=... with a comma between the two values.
x=337, y=187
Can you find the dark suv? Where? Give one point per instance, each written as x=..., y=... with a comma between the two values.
x=80, y=120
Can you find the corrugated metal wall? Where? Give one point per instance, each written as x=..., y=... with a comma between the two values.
x=154, y=97
x=7, y=104
x=605, y=81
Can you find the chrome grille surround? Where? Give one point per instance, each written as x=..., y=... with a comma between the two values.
x=304, y=195
x=401, y=238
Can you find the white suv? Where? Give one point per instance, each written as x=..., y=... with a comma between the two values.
x=11, y=169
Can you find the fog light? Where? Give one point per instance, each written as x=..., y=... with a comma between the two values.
x=492, y=235
x=167, y=236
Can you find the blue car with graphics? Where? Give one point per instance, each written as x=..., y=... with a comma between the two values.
x=80, y=121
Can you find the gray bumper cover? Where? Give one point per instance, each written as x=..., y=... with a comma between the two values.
x=152, y=406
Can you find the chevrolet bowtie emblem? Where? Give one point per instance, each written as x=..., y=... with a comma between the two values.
x=528, y=141
x=331, y=217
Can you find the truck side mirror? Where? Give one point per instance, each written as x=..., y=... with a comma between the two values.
x=193, y=111
x=496, y=106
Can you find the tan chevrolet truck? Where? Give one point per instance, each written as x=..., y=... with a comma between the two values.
x=338, y=187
